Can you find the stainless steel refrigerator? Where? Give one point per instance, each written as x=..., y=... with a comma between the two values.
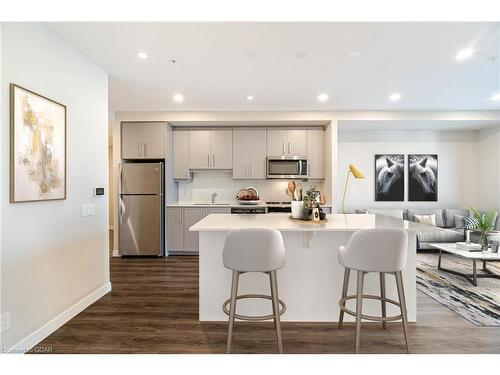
x=141, y=209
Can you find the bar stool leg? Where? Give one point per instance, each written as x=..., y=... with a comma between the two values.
x=359, y=303
x=382, y=295
x=276, y=309
x=345, y=287
x=402, y=301
x=232, y=309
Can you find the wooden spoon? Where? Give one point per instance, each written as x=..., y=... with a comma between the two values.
x=292, y=186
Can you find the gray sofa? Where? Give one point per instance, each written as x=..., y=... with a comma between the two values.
x=449, y=230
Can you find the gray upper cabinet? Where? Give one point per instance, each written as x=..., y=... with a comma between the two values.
x=181, y=154
x=316, y=153
x=199, y=149
x=210, y=148
x=143, y=140
x=249, y=153
x=286, y=142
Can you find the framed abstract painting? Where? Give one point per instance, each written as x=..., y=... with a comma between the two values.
x=37, y=147
x=423, y=177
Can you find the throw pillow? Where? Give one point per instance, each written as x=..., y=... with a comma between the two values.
x=426, y=219
x=459, y=221
x=470, y=223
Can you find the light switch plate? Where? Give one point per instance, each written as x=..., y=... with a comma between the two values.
x=87, y=209
x=5, y=322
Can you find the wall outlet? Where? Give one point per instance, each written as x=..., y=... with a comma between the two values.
x=5, y=321
x=87, y=209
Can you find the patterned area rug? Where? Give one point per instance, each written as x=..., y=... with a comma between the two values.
x=478, y=304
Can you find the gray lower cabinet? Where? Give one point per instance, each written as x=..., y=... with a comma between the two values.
x=191, y=217
x=179, y=219
x=175, y=229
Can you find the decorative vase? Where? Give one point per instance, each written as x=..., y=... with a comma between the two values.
x=305, y=213
x=297, y=209
x=315, y=214
x=467, y=236
x=483, y=240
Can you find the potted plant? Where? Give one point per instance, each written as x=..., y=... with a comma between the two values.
x=311, y=199
x=485, y=223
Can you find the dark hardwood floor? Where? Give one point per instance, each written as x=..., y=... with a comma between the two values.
x=153, y=308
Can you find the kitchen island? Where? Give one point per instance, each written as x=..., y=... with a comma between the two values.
x=311, y=281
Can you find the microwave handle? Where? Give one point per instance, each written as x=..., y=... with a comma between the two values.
x=300, y=167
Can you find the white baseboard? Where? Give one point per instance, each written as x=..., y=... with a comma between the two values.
x=41, y=333
x=116, y=253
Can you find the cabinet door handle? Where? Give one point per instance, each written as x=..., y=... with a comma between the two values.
x=246, y=170
x=146, y=149
x=284, y=152
x=186, y=169
x=180, y=216
x=213, y=161
x=139, y=149
x=251, y=170
x=208, y=156
x=289, y=147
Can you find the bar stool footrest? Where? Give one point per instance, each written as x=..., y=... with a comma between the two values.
x=253, y=318
x=343, y=301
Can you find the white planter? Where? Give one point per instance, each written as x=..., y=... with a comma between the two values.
x=297, y=209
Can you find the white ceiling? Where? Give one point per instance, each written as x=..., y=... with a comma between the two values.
x=221, y=63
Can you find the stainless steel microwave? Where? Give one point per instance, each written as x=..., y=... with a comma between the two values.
x=287, y=167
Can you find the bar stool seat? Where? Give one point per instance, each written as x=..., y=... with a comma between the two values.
x=374, y=250
x=254, y=250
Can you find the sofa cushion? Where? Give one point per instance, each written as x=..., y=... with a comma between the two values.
x=449, y=215
x=426, y=219
x=442, y=235
x=459, y=221
x=392, y=212
x=426, y=211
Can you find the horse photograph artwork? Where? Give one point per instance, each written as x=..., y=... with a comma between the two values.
x=389, y=177
x=423, y=178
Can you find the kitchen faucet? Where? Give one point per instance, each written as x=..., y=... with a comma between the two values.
x=213, y=197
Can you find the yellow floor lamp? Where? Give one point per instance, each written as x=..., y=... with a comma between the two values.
x=357, y=175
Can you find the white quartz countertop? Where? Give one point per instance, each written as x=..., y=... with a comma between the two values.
x=281, y=221
x=235, y=204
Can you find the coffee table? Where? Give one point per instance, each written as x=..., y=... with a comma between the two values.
x=475, y=256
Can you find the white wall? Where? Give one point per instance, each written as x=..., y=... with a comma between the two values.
x=54, y=262
x=457, y=161
x=489, y=168
x=200, y=189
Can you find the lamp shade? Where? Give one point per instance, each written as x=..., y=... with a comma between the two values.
x=355, y=171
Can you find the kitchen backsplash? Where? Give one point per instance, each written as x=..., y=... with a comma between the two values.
x=200, y=189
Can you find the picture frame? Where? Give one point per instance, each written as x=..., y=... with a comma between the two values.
x=38, y=140
x=389, y=174
x=423, y=178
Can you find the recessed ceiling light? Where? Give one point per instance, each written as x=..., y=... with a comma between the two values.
x=395, y=96
x=252, y=54
x=354, y=54
x=178, y=98
x=496, y=97
x=322, y=97
x=464, y=54
x=250, y=97
x=142, y=55
x=174, y=61
x=302, y=54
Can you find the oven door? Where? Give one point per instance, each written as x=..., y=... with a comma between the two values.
x=286, y=168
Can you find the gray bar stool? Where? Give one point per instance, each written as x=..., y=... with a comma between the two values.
x=374, y=250
x=254, y=250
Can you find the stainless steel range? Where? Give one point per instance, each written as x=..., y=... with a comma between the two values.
x=279, y=207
